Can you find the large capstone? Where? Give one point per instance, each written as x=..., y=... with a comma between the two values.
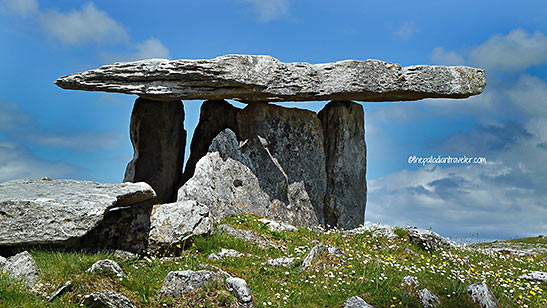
x=264, y=78
x=345, y=153
x=158, y=137
x=60, y=211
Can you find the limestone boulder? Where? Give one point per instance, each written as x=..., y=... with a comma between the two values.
x=60, y=212
x=343, y=125
x=356, y=302
x=241, y=291
x=107, y=299
x=21, y=267
x=158, y=138
x=178, y=283
x=264, y=78
x=481, y=294
x=107, y=267
x=428, y=299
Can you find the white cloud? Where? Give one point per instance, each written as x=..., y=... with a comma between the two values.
x=17, y=163
x=444, y=57
x=269, y=10
x=151, y=48
x=19, y=7
x=406, y=30
x=81, y=26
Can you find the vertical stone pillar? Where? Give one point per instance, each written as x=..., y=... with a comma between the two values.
x=158, y=138
x=345, y=151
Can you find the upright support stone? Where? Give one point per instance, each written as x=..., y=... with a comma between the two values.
x=345, y=151
x=158, y=138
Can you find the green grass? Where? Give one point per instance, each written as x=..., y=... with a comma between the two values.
x=373, y=270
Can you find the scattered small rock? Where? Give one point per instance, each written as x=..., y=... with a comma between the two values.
x=428, y=299
x=229, y=253
x=178, y=283
x=277, y=226
x=108, y=267
x=332, y=251
x=535, y=275
x=125, y=255
x=410, y=281
x=241, y=291
x=481, y=294
x=107, y=299
x=356, y=302
x=387, y=232
x=427, y=238
x=67, y=286
x=283, y=261
x=21, y=267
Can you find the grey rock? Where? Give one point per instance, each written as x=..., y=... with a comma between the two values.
x=427, y=238
x=428, y=299
x=285, y=146
x=535, y=275
x=214, y=117
x=64, y=288
x=3, y=261
x=224, y=181
x=345, y=152
x=241, y=291
x=263, y=78
x=60, y=211
x=277, y=226
x=174, y=223
x=158, y=138
x=107, y=299
x=410, y=281
x=107, y=267
x=125, y=255
x=386, y=232
x=21, y=267
x=481, y=294
x=356, y=302
x=178, y=283
x=332, y=251
x=225, y=253
x=246, y=235
x=280, y=262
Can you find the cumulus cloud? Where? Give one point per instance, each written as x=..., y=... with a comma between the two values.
x=406, y=30
x=269, y=10
x=446, y=57
x=88, y=24
x=19, y=7
x=149, y=49
x=17, y=163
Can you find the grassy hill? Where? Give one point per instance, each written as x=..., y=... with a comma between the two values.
x=372, y=269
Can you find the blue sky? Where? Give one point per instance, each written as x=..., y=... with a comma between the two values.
x=47, y=131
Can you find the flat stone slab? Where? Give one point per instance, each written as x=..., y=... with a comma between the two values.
x=264, y=78
x=56, y=211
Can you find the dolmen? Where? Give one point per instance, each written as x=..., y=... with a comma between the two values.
x=287, y=164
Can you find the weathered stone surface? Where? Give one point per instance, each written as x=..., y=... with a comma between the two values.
x=56, y=212
x=535, y=275
x=21, y=267
x=174, y=223
x=225, y=182
x=427, y=238
x=356, y=302
x=285, y=146
x=277, y=225
x=410, y=281
x=107, y=299
x=107, y=267
x=345, y=152
x=241, y=291
x=64, y=288
x=386, y=232
x=158, y=138
x=214, y=117
x=283, y=261
x=332, y=251
x=428, y=299
x=263, y=78
x=224, y=253
x=481, y=293
x=179, y=282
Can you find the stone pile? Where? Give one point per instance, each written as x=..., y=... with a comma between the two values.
x=283, y=163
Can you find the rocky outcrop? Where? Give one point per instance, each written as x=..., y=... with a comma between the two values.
x=178, y=283
x=428, y=239
x=316, y=251
x=263, y=78
x=345, y=152
x=356, y=302
x=481, y=294
x=107, y=299
x=158, y=138
x=428, y=299
x=174, y=223
x=225, y=181
x=21, y=267
x=60, y=212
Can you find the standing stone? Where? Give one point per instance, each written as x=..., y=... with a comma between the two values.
x=345, y=153
x=214, y=117
x=158, y=138
x=285, y=146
